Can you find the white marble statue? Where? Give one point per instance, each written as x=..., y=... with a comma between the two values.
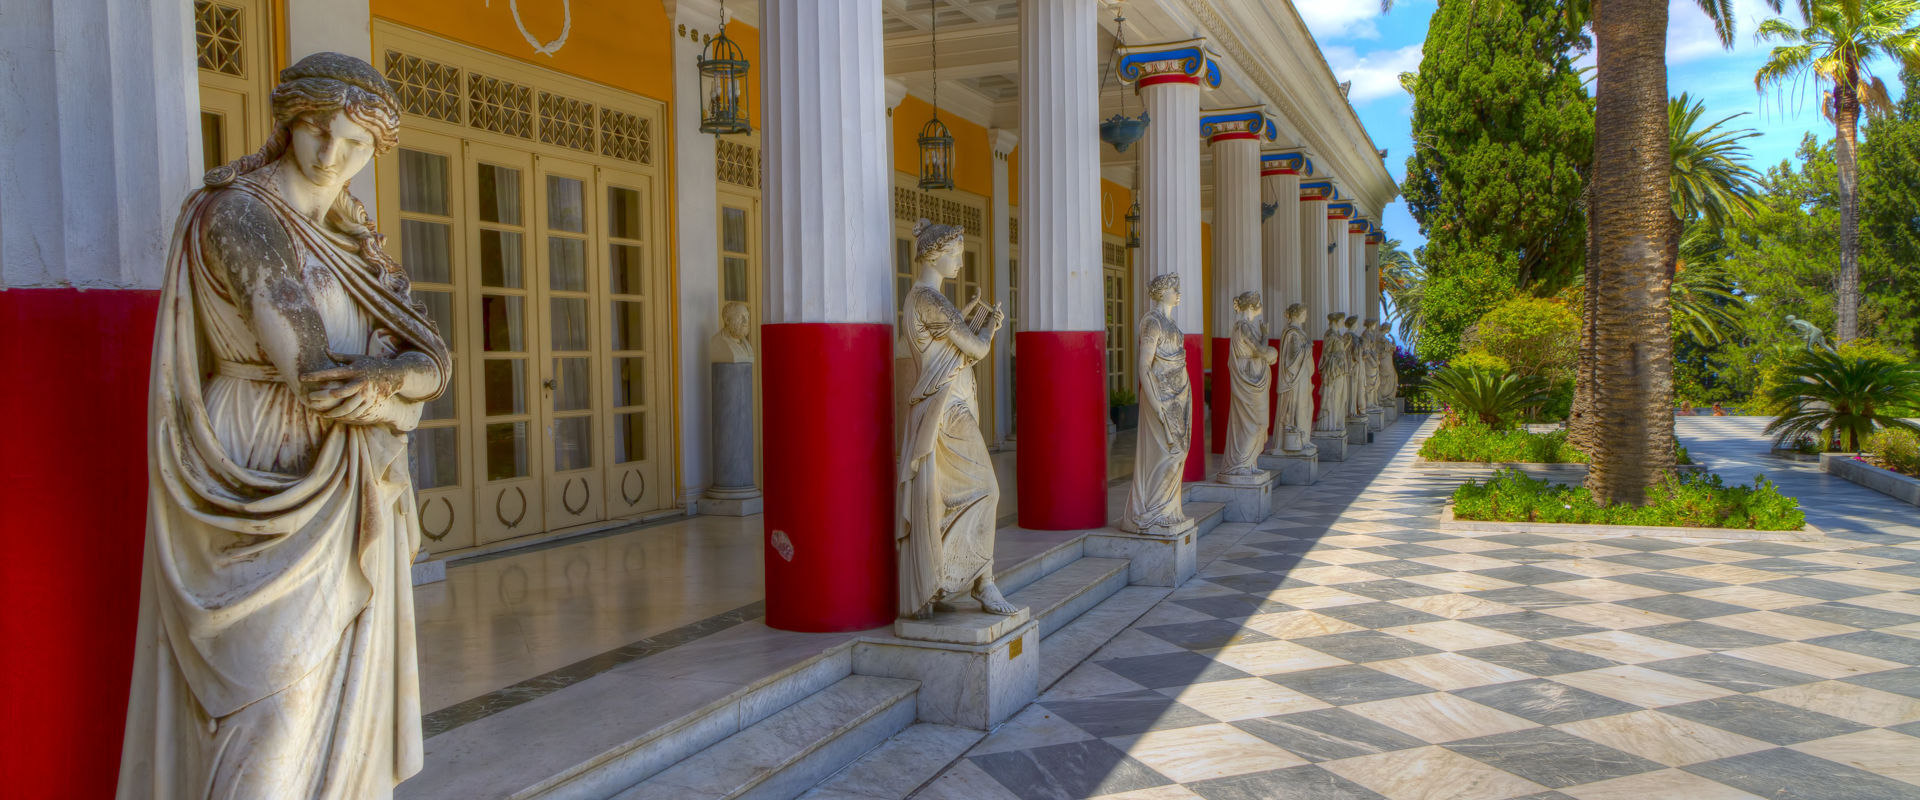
x=1370, y=353
x=949, y=498
x=1356, y=370
x=1334, y=367
x=1251, y=369
x=275, y=648
x=1293, y=415
x=1166, y=418
x=731, y=345
x=1389, y=374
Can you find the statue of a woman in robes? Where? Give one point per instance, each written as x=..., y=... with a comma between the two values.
x=1294, y=417
x=1166, y=418
x=1333, y=379
x=1357, y=370
x=1389, y=372
x=275, y=650
x=1370, y=347
x=1251, y=369
x=949, y=497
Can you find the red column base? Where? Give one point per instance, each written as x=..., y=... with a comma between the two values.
x=1220, y=397
x=1061, y=410
x=1196, y=469
x=75, y=474
x=830, y=501
x=1317, y=344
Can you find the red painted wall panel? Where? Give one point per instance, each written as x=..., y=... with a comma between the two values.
x=1197, y=454
x=1220, y=395
x=73, y=500
x=1062, y=408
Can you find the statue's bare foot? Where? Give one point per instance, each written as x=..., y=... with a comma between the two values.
x=991, y=602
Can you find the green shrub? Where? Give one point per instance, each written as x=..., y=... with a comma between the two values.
x=1701, y=501
x=1472, y=440
x=1480, y=360
x=1896, y=449
x=1494, y=399
x=1680, y=455
x=1535, y=336
x=1848, y=395
x=1122, y=397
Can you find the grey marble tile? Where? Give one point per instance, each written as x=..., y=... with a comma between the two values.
x=1389, y=589
x=1127, y=713
x=1399, y=569
x=1526, y=555
x=1234, y=606
x=1546, y=702
x=1531, y=596
x=1328, y=734
x=1537, y=658
x=1899, y=681
x=1767, y=548
x=1727, y=672
x=1171, y=669
x=1653, y=560
x=1791, y=566
x=1814, y=587
x=1345, y=685
x=1365, y=646
x=1674, y=605
x=1279, y=562
x=1665, y=582
x=1849, y=614
x=1414, y=536
x=1535, y=625
x=1522, y=539
x=1898, y=649
x=1068, y=771
x=1644, y=544
x=1706, y=635
x=1553, y=758
x=1377, y=615
x=1258, y=582
x=1208, y=634
x=1759, y=718
x=1792, y=775
x=1526, y=574
x=1909, y=554
x=1304, y=782
x=1406, y=550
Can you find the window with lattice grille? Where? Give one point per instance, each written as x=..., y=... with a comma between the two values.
x=219, y=39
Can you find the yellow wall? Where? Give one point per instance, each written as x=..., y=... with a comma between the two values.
x=1114, y=202
x=626, y=45
x=972, y=150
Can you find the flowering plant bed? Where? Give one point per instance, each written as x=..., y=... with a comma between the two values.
x=1681, y=501
x=1855, y=468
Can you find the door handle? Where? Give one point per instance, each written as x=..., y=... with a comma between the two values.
x=549, y=383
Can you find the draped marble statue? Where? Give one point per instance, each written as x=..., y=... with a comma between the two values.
x=949, y=497
x=275, y=650
x=1333, y=379
x=1370, y=352
x=1293, y=417
x=1389, y=373
x=1251, y=369
x=1166, y=418
x=1357, y=376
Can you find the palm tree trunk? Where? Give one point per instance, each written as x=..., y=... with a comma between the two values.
x=1628, y=278
x=1846, y=121
x=1580, y=418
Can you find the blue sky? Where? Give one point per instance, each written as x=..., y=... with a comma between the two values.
x=1372, y=49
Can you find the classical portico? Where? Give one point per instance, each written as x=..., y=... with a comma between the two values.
x=1235, y=135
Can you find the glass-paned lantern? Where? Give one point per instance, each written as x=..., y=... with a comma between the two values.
x=723, y=85
x=936, y=155
x=1133, y=226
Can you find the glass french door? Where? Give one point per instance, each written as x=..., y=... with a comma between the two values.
x=569, y=396
x=634, y=473
x=508, y=430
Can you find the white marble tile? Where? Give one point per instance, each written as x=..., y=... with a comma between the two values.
x=1641, y=686
x=1661, y=785
x=1664, y=738
x=1439, y=717
x=1812, y=659
x=1271, y=658
x=1848, y=701
x=1034, y=727
x=1298, y=624
x=1204, y=752
x=1883, y=752
x=1452, y=635
x=1456, y=606
x=1431, y=773
x=1448, y=671
x=1625, y=647
x=1316, y=597
x=1241, y=698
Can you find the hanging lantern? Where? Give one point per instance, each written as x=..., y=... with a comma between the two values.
x=1133, y=226
x=936, y=155
x=723, y=83
x=1120, y=130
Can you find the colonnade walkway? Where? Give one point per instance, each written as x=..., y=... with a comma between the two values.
x=1348, y=647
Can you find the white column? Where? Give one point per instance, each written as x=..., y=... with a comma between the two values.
x=1373, y=277
x=1280, y=245
x=1339, y=282
x=1001, y=208
x=99, y=124
x=1357, y=272
x=829, y=166
x=1170, y=170
x=1236, y=225
x=1060, y=262
x=696, y=237
x=1315, y=283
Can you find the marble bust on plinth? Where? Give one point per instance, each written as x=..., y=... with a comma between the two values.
x=1293, y=420
x=1251, y=372
x=949, y=496
x=733, y=492
x=1166, y=419
x=731, y=345
x=275, y=650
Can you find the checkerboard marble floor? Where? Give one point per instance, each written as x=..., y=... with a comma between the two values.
x=1347, y=648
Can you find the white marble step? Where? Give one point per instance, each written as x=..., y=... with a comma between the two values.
x=1208, y=515
x=1067, y=592
x=1073, y=643
x=1037, y=566
x=900, y=765
x=786, y=754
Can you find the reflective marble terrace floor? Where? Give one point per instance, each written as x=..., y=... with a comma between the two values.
x=1349, y=648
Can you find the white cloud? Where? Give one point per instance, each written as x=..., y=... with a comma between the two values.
x=1690, y=35
x=1340, y=19
x=1374, y=75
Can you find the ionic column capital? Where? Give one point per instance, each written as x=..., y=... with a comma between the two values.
x=1295, y=163
x=1340, y=211
x=1246, y=122
x=1318, y=190
x=1187, y=62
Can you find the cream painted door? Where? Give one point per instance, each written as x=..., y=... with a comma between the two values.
x=508, y=437
x=740, y=277
x=637, y=475
x=570, y=411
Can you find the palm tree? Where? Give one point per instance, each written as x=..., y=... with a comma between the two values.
x=1836, y=48
x=1403, y=280
x=1835, y=394
x=1711, y=178
x=1704, y=305
x=1494, y=399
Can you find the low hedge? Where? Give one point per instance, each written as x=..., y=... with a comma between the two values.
x=1896, y=449
x=1471, y=440
x=1701, y=501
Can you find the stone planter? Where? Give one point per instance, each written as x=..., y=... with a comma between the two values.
x=1885, y=481
x=1807, y=533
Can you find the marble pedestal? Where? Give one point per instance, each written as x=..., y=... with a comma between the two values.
x=733, y=492
x=975, y=669
x=425, y=571
x=1376, y=419
x=1332, y=446
x=1391, y=413
x=1153, y=560
x=1357, y=430
x=1248, y=498
x=1293, y=469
